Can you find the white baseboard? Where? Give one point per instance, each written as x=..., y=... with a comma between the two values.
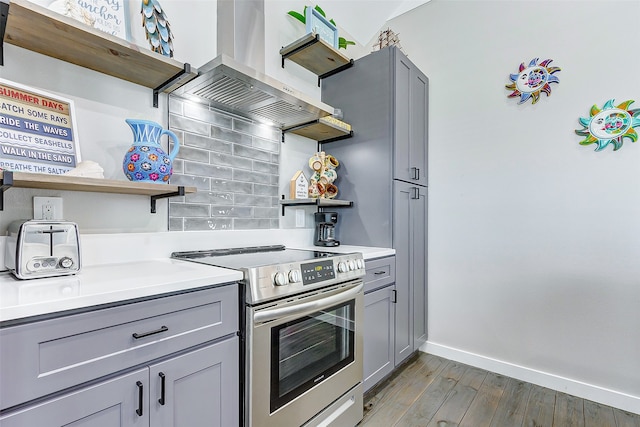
x=591, y=392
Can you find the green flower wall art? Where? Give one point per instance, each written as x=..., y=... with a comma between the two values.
x=342, y=42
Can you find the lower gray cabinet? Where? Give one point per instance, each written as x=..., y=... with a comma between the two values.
x=166, y=362
x=199, y=388
x=379, y=320
x=379, y=313
x=111, y=403
x=410, y=242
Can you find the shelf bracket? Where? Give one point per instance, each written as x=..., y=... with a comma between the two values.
x=4, y=15
x=313, y=41
x=7, y=182
x=180, y=192
x=337, y=138
x=335, y=71
x=170, y=82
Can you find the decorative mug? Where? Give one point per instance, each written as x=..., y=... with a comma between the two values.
x=331, y=162
x=316, y=189
x=332, y=191
x=330, y=175
x=146, y=161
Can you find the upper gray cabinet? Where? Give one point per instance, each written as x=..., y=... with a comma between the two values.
x=386, y=96
x=409, y=117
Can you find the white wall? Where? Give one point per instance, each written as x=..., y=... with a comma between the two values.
x=534, y=240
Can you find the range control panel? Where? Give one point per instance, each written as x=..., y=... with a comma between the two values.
x=276, y=281
x=317, y=272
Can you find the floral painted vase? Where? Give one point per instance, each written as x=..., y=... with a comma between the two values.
x=146, y=161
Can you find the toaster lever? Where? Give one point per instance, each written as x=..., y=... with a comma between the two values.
x=50, y=233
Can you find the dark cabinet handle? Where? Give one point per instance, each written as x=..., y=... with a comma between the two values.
x=162, y=378
x=377, y=273
x=140, y=397
x=394, y=296
x=414, y=173
x=416, y=193
x=417, y=173
x=146, y=334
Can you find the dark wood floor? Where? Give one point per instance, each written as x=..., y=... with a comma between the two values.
x=431, y=391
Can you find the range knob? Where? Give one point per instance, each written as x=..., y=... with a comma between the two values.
x=352, y=264
x=65, y=262
x=343, y=267
x=294, y=276
x=280, y=279
x=360, y=263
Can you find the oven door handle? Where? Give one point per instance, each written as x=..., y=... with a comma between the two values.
x=269, y=314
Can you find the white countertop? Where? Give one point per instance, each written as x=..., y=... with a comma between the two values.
x=104, y=284
x=114, y=269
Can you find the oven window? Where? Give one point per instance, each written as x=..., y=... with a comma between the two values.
x=308, y=350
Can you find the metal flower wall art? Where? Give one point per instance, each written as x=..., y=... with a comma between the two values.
x=610, y=125
x=531, y=80
x=157, y=28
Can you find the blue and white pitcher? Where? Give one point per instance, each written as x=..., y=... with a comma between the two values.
x=146, y=161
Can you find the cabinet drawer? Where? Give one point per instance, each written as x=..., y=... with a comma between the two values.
x=47, y=356
x=379, y=272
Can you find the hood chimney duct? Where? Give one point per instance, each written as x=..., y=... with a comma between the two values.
x=240, y=31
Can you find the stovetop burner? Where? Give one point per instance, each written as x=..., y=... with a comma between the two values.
x=249, y=257
x=271, y=272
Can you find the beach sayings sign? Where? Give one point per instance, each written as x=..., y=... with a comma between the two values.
x=37, y=131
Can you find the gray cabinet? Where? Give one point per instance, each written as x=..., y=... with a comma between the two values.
x=379, y=333
x=164, y=362
x=379, y=320
x=410, y=96
x=383, y=170
x=410, y=242
x=111, y=403
x=199, y=388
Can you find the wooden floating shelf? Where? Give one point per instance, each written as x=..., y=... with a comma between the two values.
x=315, y=55
x=41, y=30
x=325, y=129
x=97, y=185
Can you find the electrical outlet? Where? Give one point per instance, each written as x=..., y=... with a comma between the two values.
x=47, y=208
x=299, y=218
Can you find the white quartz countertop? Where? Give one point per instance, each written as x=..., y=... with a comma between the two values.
x=104, y=284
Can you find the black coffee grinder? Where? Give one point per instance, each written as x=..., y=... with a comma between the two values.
x=326, y=229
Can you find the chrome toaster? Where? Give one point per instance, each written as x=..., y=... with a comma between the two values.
x=42, y=248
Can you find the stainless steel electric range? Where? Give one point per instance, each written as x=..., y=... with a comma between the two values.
x=301, y=334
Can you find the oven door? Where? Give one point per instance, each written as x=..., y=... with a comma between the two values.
x=304, y=353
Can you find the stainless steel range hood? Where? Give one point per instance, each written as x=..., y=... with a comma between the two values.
x=229, y=85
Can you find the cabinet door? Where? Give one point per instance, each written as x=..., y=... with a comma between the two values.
x=379, y=321
x=402, y=117
x=410, y=243
x=110, y=403
x=418, y=127
x=402, y=240
x=410, y=121
x=418, y=247
x=199, y=388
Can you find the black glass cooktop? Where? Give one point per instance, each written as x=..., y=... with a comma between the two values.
x=239, y=258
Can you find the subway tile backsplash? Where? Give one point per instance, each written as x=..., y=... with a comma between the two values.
x=234, y=164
